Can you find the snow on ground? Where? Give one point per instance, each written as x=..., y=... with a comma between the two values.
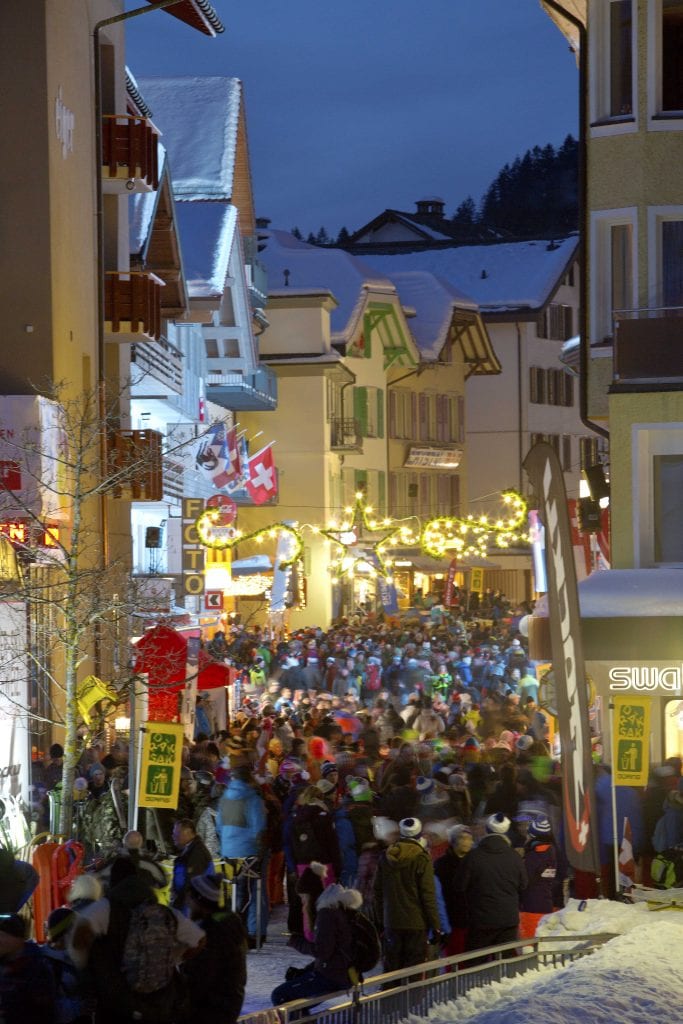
x=633, y=979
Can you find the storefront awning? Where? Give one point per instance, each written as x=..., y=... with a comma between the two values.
x=637, y=593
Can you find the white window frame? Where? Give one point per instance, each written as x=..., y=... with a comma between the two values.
x=601, y=122
x=656, y=216
x=602, y=222
x=656, y=122
x=648, y=440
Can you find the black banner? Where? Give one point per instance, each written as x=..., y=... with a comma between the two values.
x=580, y=825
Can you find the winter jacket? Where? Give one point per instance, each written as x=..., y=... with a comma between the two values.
x=312, y=836
x=193, y=860
x=216, y=976
x=669, y=829
x=629, y=805
x=241, y=820
x=451, y=871
x=347, y=845
x=404, y=892
x=540, y=861
x=494, y=880
x=332, y=943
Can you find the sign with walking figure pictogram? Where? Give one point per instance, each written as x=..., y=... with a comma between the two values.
x=631, y=740
x=162, y=750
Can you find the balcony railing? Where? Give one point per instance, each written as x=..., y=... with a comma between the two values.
x=648, y=345
x=134, y=459
x=157, y=369
x=250, y=391
x=132, y=306
x=257, y=275
x=129, y=154
x=345, y=435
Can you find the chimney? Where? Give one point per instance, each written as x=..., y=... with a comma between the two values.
x=432, y=206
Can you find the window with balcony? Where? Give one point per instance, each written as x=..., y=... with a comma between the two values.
x=612, y=83
x=672, y=56
x=613, y=254
x=667, y=494
x=620, y=58
x=672, y=262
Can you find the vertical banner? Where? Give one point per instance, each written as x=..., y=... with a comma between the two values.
x=450, y=584
x=162, y=757
x=581, y=835
x=631, y=740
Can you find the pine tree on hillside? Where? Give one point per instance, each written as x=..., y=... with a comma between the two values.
x=297, y=234
x=342, y=237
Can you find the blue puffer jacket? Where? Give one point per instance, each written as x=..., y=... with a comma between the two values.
x=241, y=820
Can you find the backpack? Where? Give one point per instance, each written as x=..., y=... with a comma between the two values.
x=365, y=944
x=148, y=961
x=666, y=869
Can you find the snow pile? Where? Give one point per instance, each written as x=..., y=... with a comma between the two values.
x=633, y=979
x=599, y=917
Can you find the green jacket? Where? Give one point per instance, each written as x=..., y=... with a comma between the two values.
x=405, y=895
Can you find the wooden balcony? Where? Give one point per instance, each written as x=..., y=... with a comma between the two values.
x=132, y=306
x=648, y=347
x=129, y=154
x=135, y=465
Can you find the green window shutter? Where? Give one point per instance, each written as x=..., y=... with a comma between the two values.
x=360, y=409
x=360, y=481
x=382, y=491
x=380, y=412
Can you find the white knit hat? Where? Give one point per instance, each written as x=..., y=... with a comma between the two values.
x=498, y=824
x=410, y=828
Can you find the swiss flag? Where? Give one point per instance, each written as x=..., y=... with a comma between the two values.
x=262, y=481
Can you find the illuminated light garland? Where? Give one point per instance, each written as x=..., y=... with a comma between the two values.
x=473, y=535
x=212, y=535
x=358, y=552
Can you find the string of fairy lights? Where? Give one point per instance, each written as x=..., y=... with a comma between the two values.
x=362, y=543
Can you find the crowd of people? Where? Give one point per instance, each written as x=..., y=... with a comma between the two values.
x=403, y=775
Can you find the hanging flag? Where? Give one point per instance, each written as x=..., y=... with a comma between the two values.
x=89, y=692
x=262, y=482
x=213, y=458
x=627, y=867
x=239, y=480
x=581, y=836
x=234, y=461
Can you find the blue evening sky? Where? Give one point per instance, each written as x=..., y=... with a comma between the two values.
x=359, y=105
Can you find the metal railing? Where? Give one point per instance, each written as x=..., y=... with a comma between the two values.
x=345, y=435
x=390, y=998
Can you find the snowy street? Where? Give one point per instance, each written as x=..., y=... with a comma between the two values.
x=633, y=979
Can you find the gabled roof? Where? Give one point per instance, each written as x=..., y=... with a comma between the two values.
x=442, y=313
x=208, y=234
x=509, y=277
x=153, y=239
x=198, y=14
x=198, y=118
x=312, y=267
x=422, y=225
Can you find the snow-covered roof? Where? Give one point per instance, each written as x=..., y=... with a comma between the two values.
x=632, y=593
x=418, y=225
x=198, y=118
x=207, y=233
x=435, y=301
x=499, y=278
x=312, y=267
x=141, y=207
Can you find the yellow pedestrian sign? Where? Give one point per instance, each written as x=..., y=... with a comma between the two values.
x=162, y=756
x=631, y=741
